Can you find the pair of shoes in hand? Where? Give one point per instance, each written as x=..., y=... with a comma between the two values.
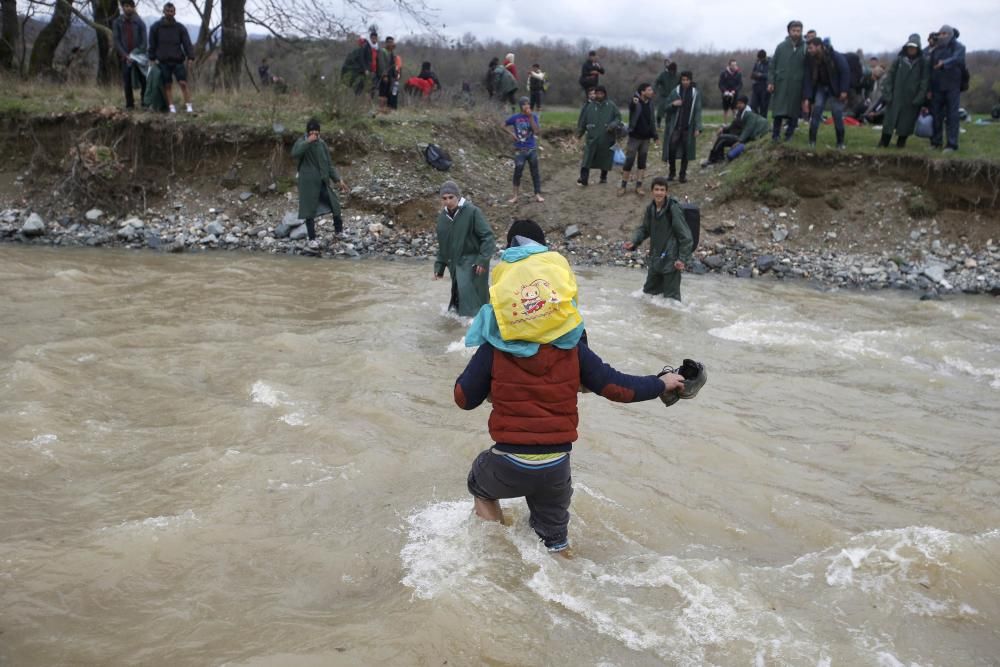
x=694, y=375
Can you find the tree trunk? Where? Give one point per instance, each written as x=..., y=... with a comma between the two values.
x=234, y=40
x=43, y=53
x=108, y=64
x=205, y=31
x=9, y=33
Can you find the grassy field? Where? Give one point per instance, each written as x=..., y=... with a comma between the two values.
x=338, y=110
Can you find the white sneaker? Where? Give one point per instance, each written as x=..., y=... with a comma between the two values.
x=189, y=109
x=173, y=109
x=314, y=244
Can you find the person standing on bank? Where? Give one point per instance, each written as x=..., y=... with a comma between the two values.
x=130, y=35
x=827, y=77
x=524, y=128
x=683, y=126
x=947, y=66
x=670, y=242
x=315, y=170
x=641, y=131
x=664, y=85
x=760, y=98
x=904, y=92
x=597, y=121
x=169, y=48
x=465, y=246
x=590, y=73
x=730, y=85
x=784, y=81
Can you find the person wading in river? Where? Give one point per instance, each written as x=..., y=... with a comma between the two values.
x=532, y=360
x=465, y=245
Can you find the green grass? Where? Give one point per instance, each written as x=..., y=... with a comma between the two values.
x=978, y=142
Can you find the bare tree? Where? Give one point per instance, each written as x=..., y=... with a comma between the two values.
x=43, y=53
x=105, y=12
x=9, y=33
x=234, y=39
x=205, y=30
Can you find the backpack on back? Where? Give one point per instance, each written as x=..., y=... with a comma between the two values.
x=692, y=216
x=437, y=157
x=964, y=86
x=857, y=70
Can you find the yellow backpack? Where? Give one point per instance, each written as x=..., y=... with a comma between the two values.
x=532, y=298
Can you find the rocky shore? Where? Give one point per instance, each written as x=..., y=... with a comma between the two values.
x=923, y=263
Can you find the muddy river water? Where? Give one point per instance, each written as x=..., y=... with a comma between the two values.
x=230, y=459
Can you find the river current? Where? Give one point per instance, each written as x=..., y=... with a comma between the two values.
x=230, y=459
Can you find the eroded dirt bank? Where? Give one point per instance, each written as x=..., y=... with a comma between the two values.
x=840, y=220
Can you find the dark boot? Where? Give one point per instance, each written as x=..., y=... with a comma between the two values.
x=584, y=177
x=311, y=229
x=901, y=142
x=338, y=224
x=884, y=141
x=604, y=176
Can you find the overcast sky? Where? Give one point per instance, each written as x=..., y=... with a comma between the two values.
x=721, y=25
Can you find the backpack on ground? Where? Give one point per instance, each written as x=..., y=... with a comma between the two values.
x=692, y=216
x=437, y=157
x=857, y=70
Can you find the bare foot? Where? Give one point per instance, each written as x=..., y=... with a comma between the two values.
x=566, y=553
x=539, y=198
x=512, y=200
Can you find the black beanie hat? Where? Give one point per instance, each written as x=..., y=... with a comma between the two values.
x=529, y=229
x=312, y=125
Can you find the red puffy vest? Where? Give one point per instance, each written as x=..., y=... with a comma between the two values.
x=534, y=398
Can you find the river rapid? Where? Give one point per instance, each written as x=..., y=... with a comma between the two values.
x=226, y=459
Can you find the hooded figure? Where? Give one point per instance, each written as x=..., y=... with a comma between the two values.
x=947, y=71
x=904, y=91
x=465, y=245
x=597, y=123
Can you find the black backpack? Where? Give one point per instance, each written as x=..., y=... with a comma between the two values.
x=857, y=71
x=437, y=157
x=692, y=216
x=964, y=86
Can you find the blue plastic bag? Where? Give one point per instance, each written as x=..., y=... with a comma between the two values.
x=925, y=126
x=735, y=151
x=619, y=157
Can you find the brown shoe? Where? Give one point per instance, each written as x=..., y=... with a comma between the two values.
x=621, y=191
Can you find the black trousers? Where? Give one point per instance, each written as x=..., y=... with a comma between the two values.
x=127, y=68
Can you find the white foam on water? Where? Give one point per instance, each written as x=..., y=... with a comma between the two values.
x=157, y=523
x=265, y=394
x=689, y=611
x=882, y=559
x=580, y=486
x=294, y=419
x=965, y=367
x=261, y=392
x=457, y=346
x=845, y=344
x=85, y=358
x=439, y=556
x=662, y=302
x=40, y=443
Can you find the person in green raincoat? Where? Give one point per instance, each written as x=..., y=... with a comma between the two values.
x=597, y=121
x=504, y=84
x=465, y=245
x=670, y=242
x=904, y=91
x=683, y=124
x=153, y=98
x=664, y=85
x=315, y=170
x=784, y=81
